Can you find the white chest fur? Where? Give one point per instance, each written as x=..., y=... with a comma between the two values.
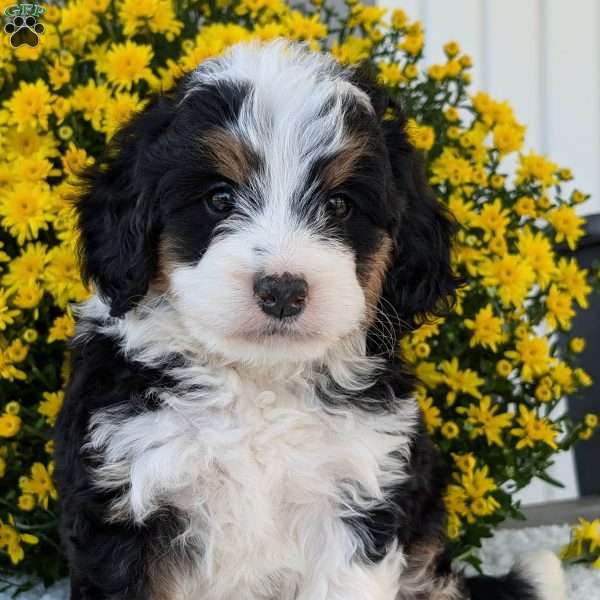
x=264, y=473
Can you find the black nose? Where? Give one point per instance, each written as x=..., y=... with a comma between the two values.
x=281, y=296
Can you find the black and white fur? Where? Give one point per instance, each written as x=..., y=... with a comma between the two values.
x=211, y=450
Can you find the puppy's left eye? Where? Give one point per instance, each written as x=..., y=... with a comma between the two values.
x=339, y=206
x=220, y=200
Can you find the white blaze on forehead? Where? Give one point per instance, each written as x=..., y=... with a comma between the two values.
x=293, y=114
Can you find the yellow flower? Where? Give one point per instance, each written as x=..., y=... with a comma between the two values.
x=543, y=393
x=411, y=71
x=40, y=484
x=566, y=223
x=62, y=329
x=399, y=19
x=422, y=350
x=485, y=422
x=493, y=219
x=24, y=211
x=119, y=110
x=79, y=25
x=534, y=168
x=12, y=408
x=390, y=74
x=26, y=502
x=61, y=277
x=413, y=44
x=431, y=414
x=7, y=314
x=30, y=105
x=466, y=381
x=452, y=168
x=462, y=210
x=466, y=61
x=534, y=354
x=28, y=296
x=90, y=99
x=452, y=115
x=300, y=27
x=50, y=406
x=75, y=160
x=30, y=336
x=156, y=16
x=584, y=378
x=536, y=250
x=28, y=267
x=577, y=197
x=560, y=311
x=562, y=374
x=11, y=540
x=451, y=49
x=511, y=275
x=426, y=372
x=420, y=136
x=426, y=330
x=503, y=368
x=573, y=280
x=59, y=75
x=533, y=430
x=437, y=72
x=525, y=207
x=450, y=430
x=10, y=425
x=577, y=345
x=366, y=16
x=352, y=51
x=487, y=329
x=591, y=420
x=127, y=64
x=508, y=137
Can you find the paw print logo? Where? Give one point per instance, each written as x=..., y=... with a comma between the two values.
x=24, y=31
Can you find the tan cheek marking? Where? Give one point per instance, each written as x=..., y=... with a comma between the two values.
x=374, y=274
x=228, y=155
x=160, y=284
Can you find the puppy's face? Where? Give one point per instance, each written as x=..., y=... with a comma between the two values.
x=263, y=205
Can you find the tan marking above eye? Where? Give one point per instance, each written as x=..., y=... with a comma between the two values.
x=228, y=154
x=341, y=168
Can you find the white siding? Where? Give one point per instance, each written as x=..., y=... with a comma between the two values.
x=544, y=57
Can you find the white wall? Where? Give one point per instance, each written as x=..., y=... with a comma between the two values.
x=544, y=57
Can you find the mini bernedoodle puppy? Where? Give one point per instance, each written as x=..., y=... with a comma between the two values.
x=238, y=424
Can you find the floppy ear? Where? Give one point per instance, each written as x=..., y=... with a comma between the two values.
x=420, y=281
x=118, y=221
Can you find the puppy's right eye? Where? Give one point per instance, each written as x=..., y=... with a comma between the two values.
x=220, y=200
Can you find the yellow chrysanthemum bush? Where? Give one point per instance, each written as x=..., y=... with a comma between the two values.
x=491, y=371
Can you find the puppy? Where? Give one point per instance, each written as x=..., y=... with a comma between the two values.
x=238, y=424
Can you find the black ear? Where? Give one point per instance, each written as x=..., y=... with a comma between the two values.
x=421, y=281
x=118, y=219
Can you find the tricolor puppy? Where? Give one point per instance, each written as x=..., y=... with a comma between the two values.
x=238, y=424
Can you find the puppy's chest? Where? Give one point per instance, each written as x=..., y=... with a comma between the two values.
x=262, y=476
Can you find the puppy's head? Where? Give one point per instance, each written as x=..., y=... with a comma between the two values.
x=271, y=206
